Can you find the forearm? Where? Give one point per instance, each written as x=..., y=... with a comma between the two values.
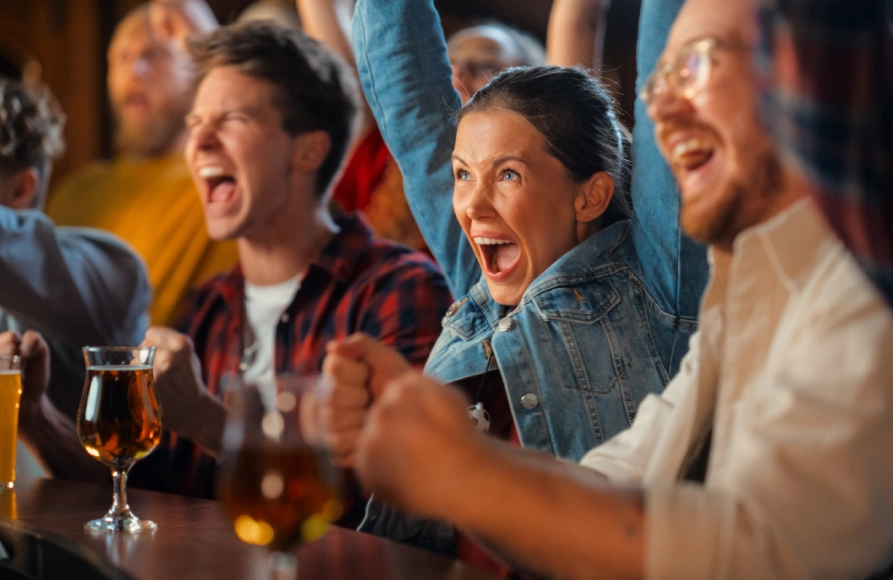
x=675, y=265
x=208, y=433
x=573, y=525
x=201, y=420
x=328, y=21
x=53, y=439
x=576, y=34
x=405, y=73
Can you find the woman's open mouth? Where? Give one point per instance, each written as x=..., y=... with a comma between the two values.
x=500, y=256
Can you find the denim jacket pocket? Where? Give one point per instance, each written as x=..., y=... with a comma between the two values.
x=583, y=304
x=580, y=318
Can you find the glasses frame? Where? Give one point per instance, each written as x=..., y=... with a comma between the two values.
x=674, y=76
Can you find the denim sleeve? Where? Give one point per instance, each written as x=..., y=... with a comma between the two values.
x=676, y=266
x=74, y=285
x=402, y=62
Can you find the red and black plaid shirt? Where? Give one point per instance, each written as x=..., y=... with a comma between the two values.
x=358, y=284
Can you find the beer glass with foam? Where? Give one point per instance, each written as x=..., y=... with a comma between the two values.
x=119, y=422
x=10, y=393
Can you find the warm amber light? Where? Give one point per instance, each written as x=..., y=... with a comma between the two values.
x=259, y=533
x=8, y=505
x=332, y=510
x=314, y=528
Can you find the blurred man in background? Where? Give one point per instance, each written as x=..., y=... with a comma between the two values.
x=77, y=286
x=146, y=195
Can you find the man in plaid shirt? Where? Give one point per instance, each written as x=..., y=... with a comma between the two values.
x=829, y=105
x=267, y=134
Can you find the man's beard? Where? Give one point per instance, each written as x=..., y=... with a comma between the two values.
x=733, y=217
x=148, y=137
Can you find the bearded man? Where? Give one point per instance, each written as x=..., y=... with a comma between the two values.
x=146, y=195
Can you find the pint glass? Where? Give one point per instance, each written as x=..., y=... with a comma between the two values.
x=10, y=392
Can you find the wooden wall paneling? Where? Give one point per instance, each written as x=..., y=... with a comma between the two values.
x=62, y=36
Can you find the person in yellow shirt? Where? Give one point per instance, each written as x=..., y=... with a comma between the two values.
x=146, y=195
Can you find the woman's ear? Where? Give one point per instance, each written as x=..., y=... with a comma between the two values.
x=311, y=149
x=593, y=197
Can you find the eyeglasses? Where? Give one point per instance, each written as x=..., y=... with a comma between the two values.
x=688, y=74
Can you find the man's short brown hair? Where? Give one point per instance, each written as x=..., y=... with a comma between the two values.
x=316, y=89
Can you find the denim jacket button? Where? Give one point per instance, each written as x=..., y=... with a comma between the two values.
x=506, y=324
x=529, y=401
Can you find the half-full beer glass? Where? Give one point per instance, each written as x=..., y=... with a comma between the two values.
x=276, y=481
x=119, y=422
x=10, y=393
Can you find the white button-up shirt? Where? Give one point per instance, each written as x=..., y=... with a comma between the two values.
x=792, y=371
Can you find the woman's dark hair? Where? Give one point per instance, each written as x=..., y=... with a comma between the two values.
x=575, y=115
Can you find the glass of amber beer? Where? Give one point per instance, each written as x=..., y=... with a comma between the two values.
x=119, y=422
x=275, y=479
x=10, y=393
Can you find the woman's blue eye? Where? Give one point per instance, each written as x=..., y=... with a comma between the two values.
x=508, y=175
x=461, y=174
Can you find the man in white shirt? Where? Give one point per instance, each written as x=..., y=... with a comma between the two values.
x=768, y=456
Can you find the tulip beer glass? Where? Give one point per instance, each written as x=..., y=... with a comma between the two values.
x=119, y=422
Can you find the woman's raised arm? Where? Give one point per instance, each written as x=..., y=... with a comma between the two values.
x=402, y=60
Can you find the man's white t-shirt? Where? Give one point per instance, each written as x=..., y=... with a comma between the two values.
x=264, y=306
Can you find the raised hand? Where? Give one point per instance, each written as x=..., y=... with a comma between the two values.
x=35, y=355
x=359, y=367
x=417, y=442
x=188, y=409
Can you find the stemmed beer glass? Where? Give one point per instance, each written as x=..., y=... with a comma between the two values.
x=275, y=480
x=119, y=422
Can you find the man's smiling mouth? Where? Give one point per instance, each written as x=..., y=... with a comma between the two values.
x=691, y=154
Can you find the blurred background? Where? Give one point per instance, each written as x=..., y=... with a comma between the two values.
x=63, y=42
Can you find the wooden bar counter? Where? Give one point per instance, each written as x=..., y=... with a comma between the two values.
x=195, y=540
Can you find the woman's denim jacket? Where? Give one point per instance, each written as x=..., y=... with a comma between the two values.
x=604, y=326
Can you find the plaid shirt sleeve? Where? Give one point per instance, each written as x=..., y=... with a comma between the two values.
x=405, y=306
x=828, y=101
